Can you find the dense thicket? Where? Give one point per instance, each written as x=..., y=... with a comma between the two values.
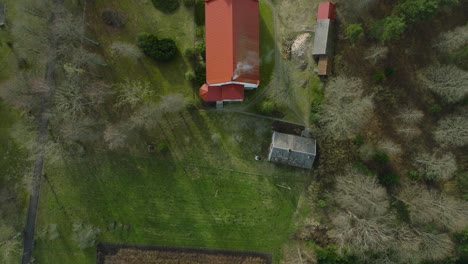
x=158, y=49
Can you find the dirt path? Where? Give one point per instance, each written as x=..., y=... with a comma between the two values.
x=42, y=133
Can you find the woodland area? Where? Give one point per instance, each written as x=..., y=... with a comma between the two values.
x=392, y=177
x=104, y=93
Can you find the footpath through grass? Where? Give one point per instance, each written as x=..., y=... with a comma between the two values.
x=205, y=190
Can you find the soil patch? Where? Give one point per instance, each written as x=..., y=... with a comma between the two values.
x=108, y=253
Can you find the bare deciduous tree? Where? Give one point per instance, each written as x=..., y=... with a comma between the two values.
x=85, y=235
x=364, y=221
x=433, y=207
x=116, y=136
x=448, y=81
x=416, y=246
x=360, y=194
x=362, y=235
x=409, y=132
x=83, y=130
x=453, y=131
x=126, y=50
x=453, y=40
x=436, y=166
x=410, y=116
x=133, y=93
x=391, y=148
x=345, y=110
x=376, y=53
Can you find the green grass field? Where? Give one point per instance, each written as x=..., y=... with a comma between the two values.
x=202, y=186
x=14, y=164
x=204, y=191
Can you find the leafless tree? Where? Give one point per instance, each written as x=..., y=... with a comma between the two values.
x=452, y=40
x=389, y=147
x=437, y=166
x=360, y=194
x=410, y=116
x=147, y=116
x=85, y=235
x=134, y=93
x=452, y=130
x=364, y=222
x=345, y=110
x=415, y=246
x=409, y=132
x=361, y=235
x=376, y=53
x=126, y=50
x=448, y=81
x=85, y=130
x=433, y=207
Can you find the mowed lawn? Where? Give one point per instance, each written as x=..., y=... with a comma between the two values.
x=206, y=190
x=201, y=187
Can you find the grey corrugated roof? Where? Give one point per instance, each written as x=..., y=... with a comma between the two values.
x=294, y=143
x=322, y=37
x=292, y=150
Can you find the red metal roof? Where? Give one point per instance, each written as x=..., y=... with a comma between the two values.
x=232, y=41
x=227, y=92
x=326, y=10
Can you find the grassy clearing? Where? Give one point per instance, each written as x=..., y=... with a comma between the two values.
x=142, y=17
x=13, y=198
x=267, y=43
x=206, y=191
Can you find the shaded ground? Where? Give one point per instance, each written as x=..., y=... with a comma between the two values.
x=140, y=254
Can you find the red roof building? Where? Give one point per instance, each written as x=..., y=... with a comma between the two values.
x=326, y=10
x=232, y=49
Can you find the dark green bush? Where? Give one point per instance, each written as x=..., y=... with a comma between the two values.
x=328, y=255
x=189, y=3
x=414, y=10
x=200, y=48
x=200, y=73
x=435, y=108
x=378, y=77
x=381, y=157
x=358, y=140
x=166, y=6
x=267, y=107
x=157, y=49
x=354, y=32
x=389, y=179
x=388, y=29
x=462, y=182
x=200, y=12
x=414, y=175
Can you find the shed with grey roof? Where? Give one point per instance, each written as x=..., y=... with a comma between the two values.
x=292, y=150
x=2, y=14
x=323, y=39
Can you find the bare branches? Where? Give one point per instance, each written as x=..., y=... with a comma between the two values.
x=453, y=40
x=432, y=207
x=452, y=131
x=436, y=166
x=448, y=81
x=362, y=235
x=361, y=194
x=133, y=93
x=364, y=222
x=126, y=50
x=376, y=54
x=345, y=111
